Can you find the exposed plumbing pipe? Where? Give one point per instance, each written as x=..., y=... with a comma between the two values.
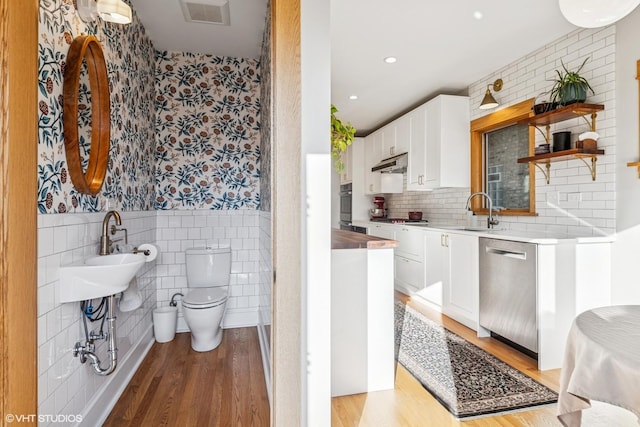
x=86, y=352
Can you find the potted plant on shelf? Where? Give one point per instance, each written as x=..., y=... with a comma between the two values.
x=570, y=87
x=341, y=137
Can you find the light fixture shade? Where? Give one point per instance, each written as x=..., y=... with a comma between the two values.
x=115, y=11
x=488, y=101
x=596, y=13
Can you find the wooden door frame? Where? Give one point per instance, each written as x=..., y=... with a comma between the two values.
x=286, y=137
x=18, y=218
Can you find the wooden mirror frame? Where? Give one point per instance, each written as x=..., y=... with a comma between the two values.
x=497, y=120
x=87, y=48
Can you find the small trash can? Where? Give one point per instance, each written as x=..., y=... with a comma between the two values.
x=165, y=320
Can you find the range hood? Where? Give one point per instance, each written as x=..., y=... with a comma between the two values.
x=397, y=164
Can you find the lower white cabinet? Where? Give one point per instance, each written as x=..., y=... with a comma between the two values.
x=451, y=275
x=460, y=287
x=382, y=230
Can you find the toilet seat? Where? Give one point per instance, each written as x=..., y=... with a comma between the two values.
x=202, y=298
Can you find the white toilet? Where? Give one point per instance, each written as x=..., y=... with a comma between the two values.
x=208, y=272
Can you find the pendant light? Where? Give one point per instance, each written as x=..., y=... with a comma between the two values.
x=596, y=13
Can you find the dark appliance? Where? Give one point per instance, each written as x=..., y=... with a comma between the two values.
x=345, y=203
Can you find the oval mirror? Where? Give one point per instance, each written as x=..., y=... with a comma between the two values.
x=86, y=50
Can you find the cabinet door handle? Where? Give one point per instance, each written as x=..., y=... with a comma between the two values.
x=392, y=150
x=420, y=179
x=370, y=187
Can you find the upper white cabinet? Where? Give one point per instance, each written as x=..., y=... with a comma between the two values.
x=403, y=134
x=347, y=158
x=388, y=140
x=442, y=126
x=417, y=168
x=372, y=155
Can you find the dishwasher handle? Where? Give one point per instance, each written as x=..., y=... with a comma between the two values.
x=506, y=253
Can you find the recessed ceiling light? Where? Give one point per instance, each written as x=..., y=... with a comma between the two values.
x=353, y=97
x=390, y=59
x=477, y=14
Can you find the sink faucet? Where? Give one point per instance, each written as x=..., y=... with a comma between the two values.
x=490, y=220
x=105, y=242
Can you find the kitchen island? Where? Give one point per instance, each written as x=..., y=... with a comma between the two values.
x=362, y=345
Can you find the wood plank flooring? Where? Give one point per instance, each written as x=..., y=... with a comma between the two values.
x=176, y=386
x=409, y=404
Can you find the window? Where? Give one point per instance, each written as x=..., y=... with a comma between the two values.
x=497, y=141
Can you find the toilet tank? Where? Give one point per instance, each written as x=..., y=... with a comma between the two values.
x=208, y=267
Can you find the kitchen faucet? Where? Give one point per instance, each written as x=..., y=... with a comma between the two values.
x=105, y=241
x=490, y=220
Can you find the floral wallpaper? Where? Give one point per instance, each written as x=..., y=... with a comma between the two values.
x=207, y=132
x=130, y=60
x=265, y=102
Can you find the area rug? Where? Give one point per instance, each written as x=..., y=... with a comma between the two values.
x=467, y=380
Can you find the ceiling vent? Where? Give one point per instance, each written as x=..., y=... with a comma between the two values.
x=206, y=11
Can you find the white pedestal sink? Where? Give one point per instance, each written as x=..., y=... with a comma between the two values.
x=98, y=276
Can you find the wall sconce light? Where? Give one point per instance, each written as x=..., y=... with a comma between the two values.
x=489, y=101
x=596, y=13
x=116, y=11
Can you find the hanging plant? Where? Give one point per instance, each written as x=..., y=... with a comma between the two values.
x=341, y=137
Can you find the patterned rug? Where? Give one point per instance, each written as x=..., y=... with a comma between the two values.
x=467, y=380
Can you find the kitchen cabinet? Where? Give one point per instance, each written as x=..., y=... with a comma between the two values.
x=372, y=155
x=346, y=176
x=382, y=230
x=416, y=169
x=461, y=281
x=409, y=258
x=403, y=134
x=435, y=254
x=442, y=125
x=451, y=275
x=395, y=137
x=388, y=135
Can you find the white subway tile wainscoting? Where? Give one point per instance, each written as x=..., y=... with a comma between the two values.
x=179, y=230
x=65, y=386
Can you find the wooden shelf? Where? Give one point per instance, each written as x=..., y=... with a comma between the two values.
x=564, y=113
x=574, y=153
x=561, y=114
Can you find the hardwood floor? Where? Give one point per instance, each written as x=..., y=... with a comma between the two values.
x=409, y=404
x=176, y=386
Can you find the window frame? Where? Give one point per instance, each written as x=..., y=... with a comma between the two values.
x=499, y=119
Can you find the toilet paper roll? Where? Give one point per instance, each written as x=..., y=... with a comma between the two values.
x=153, y=251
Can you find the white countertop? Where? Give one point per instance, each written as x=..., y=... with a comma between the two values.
x=538, y=237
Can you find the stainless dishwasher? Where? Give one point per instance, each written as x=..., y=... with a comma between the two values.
x=508, y=291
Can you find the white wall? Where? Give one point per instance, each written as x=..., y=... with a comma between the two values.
x=65, y=386
x=316, y=221
x=626, y=249
x=238, y=229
